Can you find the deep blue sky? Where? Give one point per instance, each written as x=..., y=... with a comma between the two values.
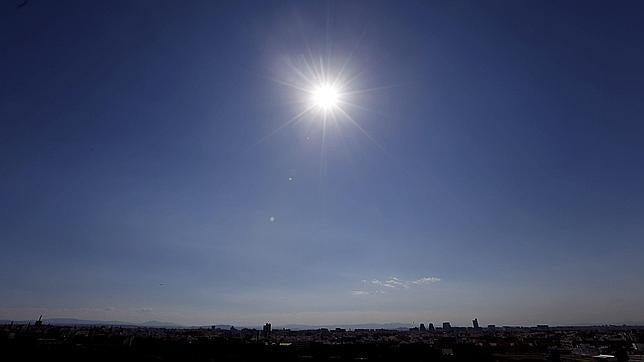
x=140, y=177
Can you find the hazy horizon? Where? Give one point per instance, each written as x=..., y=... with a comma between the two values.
x=259, y=324
x=322, y=162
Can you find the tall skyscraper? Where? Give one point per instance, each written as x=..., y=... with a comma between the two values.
x=266, y=331
x=447, y=325
x=475, y=323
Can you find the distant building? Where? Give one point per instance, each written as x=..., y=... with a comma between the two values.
x=38, y=322
x=266, y=331
x=422, y=327
x=491, y=326
x=447, y=352
x=585, y=349
x=475, y=323
x=430, y=327
x=447, y=325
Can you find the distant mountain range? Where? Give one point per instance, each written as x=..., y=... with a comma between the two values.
x=159, y=324
x=86, y=322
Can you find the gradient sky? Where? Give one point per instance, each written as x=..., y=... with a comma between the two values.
x=500, y=174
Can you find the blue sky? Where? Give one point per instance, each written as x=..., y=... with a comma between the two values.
x=149, y=170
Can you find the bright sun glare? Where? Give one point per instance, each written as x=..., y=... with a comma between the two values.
x=325, y=97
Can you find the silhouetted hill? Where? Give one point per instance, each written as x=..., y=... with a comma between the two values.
x=159, y=324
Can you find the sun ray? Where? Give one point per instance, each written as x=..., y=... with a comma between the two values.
x=287, y=84
x=364, y=132
x=294, y=119
x=368, y=90
x=302, y=75
x=323, y=161
x=350, y=57
x=365, y=109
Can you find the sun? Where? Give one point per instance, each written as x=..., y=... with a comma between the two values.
x=325, y=97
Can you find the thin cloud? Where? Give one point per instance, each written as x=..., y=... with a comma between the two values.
x=393, y=283
x=367, y=292
x=426, y=280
